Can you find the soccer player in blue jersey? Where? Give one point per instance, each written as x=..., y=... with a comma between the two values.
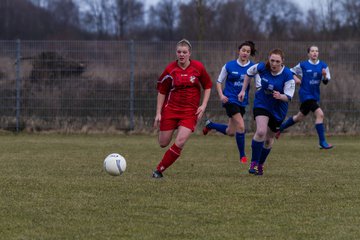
x=232, y=74
x=312, y=72
x=274, y=91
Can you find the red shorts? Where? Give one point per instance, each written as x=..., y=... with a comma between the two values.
x=171, y=120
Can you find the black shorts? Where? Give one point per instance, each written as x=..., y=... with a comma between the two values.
x=308, y=105
x=232, y=109
x=273, y=124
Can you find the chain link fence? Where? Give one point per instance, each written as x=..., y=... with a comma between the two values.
x=110, y=86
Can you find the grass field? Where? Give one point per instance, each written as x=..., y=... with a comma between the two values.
x=53, y=186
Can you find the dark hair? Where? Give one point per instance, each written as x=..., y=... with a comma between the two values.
x=308, y=50
x=251, y=44
x=276, y=51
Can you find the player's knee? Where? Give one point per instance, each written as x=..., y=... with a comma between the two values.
x=261, y=133
x=163, y=145
x=230, y=133
x=240, y=128
x=320, y=115
x=181, y=142
x=299, y=117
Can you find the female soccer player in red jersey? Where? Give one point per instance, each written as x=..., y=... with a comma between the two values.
x=179, y=92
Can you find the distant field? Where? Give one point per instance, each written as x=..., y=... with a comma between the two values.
x=53, y=186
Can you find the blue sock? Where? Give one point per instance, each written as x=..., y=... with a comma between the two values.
x=320, y=131
x=240, y=140
x=256, y=150
x=218, y=127
x=287, y=123
x=264, y=153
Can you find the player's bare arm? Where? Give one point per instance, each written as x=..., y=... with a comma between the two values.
x=200, y=111
x=222, y=97
x=244, y=87
x=160, y=102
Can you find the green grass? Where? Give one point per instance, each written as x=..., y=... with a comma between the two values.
x=53, y=187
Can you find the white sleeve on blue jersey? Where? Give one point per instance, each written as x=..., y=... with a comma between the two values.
x=252, y=70
x=297, y=70
x=289, y=88
x=328, y=76
x=223, y=75
x=257, y=81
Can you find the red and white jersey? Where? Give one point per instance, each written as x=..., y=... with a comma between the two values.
x=182, y=87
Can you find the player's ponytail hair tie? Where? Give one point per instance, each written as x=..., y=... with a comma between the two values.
x=184, y=42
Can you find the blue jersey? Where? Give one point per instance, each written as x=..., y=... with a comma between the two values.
x=234, y=73
x=282, y=82
x=311, y=79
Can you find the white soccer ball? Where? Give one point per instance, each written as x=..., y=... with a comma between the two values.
x=115, y=164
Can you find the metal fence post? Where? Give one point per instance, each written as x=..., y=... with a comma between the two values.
x=132, y=80
x=18, y=84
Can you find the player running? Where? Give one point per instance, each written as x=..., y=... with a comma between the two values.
x=233, y=73
x=275, y=89
x=179, y=92
x=312, y=72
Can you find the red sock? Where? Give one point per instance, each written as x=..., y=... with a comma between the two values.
x=169, y=158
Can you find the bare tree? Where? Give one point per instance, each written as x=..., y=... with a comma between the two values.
x=312, y=20
x=40, y=3
x=197, y=19
x=65, y=11
x=5, y=18
x=234, y=22
x=169, y=20
x=200, y=9
x=163, y=18
x=331, y=20
x=16, y=14
x=351, y=13
x=95, y=17
x=275, y=18
x=127, y=14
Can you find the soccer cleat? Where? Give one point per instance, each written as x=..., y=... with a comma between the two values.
x=260, y=170
x=206, y=129
x=325, y=145
x=277, y=134
x=157, y=174
x=243, y=159
x=253, y=167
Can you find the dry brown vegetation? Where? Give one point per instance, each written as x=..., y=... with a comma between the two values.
x=57, y=91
